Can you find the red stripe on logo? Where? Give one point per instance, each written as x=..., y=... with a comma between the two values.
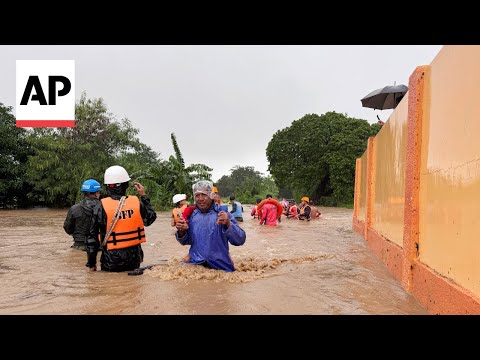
x=46, y=123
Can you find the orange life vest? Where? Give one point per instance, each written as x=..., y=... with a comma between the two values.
x=270, y=201
x=129, y=229
x=178, y=211
x=302, y=211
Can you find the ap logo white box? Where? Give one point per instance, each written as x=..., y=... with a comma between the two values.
x=45, y=93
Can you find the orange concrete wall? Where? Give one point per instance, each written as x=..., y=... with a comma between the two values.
x=440, y=295
x=418, y=100
x=390, y=157
x=450, y=168
x=438, y=258
x=358, y=226
x=390, y=253
x=356, y=197
x=362, y=203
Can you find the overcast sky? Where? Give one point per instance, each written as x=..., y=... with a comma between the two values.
x=224, y=103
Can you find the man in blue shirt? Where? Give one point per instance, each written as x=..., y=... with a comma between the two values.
x=209, y=230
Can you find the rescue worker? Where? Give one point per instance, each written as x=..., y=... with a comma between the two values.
x=77, y=222
x=208, y=230
x=237, y=209
x=269, y=213
x=123, y=250
x=180, y=204
x=304, y=213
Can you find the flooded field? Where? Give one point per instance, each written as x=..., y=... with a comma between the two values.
x=317, y=267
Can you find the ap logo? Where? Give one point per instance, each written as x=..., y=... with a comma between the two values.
x=45, y=93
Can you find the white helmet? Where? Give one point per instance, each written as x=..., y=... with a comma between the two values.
x=178, y=197
x=115, y=175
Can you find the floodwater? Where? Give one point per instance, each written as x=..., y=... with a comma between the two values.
x=318, y=267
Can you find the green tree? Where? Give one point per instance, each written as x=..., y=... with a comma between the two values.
x=64, y=157
x=269, y=187
x=246, y=184
x=242, y=179
x=167, y=178
x=145, y=166
x=315, y=156
x=14, y=151
x=60, y=159
x=225, y=186
x=185, y=177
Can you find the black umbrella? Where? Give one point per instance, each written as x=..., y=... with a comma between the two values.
x=385, y=98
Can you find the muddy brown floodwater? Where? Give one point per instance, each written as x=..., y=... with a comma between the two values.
x=317, y=267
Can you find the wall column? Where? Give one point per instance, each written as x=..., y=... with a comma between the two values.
x=416, y=104
x=369, y=211
x=356, y=194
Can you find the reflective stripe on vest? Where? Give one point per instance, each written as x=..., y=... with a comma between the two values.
x=129, y=230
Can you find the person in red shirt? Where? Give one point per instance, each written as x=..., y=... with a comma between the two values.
x=269, y=214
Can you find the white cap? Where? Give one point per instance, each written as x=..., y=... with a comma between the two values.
x=178, y=197
x=115, y=175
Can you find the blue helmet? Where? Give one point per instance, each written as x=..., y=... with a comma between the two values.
x=90, y=186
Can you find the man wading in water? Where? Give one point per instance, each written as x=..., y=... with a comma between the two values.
x=209, y=230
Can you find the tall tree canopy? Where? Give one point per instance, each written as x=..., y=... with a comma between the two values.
x=315, y=156
x=14, y=152
x=46, y=166
x=246, y=184
x=64, y=157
